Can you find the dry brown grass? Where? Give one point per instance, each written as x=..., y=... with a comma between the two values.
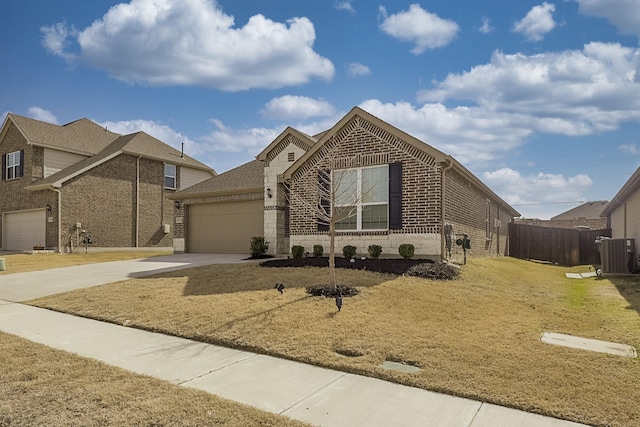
x=478, y=336
x=47, y=387
x=20, y=263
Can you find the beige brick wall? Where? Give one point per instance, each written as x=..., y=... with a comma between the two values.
x=103, y=200
x=275, y=213
x=13, y=196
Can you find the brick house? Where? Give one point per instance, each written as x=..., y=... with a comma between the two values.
x=420, y=196
x=584, y=217
x=62, y=183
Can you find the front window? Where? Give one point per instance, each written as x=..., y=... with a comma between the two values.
x=13, y=165
x=362, y=198
x=170, y=176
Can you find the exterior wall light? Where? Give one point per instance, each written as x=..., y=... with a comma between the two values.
x=269, y=194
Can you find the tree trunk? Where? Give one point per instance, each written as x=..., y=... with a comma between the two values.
x=332, y=252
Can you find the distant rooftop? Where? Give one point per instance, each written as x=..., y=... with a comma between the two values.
x=588, y=210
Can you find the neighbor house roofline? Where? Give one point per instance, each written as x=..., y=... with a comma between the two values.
x=264, y=154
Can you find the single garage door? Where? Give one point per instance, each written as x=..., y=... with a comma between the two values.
x=24, y=230
x=224, y=228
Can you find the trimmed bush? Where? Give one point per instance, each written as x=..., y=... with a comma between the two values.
x=433, y=271
x=406, y=250
x=259, y=246
x=297, y=251
x=375, y=251
x=318, y=250
x=349, y=251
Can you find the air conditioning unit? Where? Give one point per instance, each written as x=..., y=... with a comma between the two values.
x=618, y=256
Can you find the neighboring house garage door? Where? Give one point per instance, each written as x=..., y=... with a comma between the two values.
x=24, y=230
x=224, y=227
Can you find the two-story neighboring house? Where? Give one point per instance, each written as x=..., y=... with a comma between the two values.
x=416, y=194
x=62, y=184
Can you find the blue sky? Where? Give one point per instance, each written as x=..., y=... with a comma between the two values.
x=541, y=100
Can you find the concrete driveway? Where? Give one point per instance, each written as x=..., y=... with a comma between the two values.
x=25, y=286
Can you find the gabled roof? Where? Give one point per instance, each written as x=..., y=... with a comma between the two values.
x=437, y=155
x=359, y=112
x=246, y=178
x=629, y=187
x=303, y=138
x=135, y=144
x=588, y=210
x=81, y=136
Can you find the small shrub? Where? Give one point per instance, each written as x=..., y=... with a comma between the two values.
x=375, y=251
x=433, y=271
x=318, y=250
x=297, y=251
x=259, y=246
x=349, y=251
x=406, y=250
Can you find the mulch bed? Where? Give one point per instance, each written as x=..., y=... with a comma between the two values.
x=397, y=266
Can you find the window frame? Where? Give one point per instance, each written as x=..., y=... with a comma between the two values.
x=171, y=177
x=359, y=205
x=15, y=167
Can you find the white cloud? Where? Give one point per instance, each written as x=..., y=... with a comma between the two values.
x=629, y=149
x=427, y=30
x=542, y=189
x=538, y=22
x=55, y=39
x=355, y=69
x=193, y=42
x=569, y=92
x=624, y=14
x=473, y=136
x=345, y=5
x=251, y=140
x=486, y=28
x=289, y=108
x=158, y=130
x=42, y=115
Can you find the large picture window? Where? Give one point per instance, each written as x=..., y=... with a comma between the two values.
x=362, y=198
x=170, y=176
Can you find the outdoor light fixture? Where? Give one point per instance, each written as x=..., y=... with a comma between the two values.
x=269, y=194
x=48, y=208
x=177, y=204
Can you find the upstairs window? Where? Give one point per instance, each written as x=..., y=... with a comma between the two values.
x=12, y=165
x=170, y=176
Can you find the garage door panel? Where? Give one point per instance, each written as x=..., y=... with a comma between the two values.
x=24, y=230
x=224, y=227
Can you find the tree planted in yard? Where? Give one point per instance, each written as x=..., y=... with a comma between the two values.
x=336, y=201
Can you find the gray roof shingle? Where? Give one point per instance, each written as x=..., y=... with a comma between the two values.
x=246, y=177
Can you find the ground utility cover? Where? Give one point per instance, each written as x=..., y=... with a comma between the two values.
x=588, y=344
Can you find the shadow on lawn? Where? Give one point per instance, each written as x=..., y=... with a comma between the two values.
x=629, y=288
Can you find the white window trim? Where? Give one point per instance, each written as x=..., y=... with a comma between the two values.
x=174, y=176
x=15, y=166
x=361, y=204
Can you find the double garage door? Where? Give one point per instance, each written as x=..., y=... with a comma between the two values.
x=23, y=230
x=224, y=228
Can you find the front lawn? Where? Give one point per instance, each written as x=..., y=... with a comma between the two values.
x=40, y=386
x=477, y=336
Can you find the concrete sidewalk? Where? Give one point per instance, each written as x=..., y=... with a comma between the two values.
x=319, y=396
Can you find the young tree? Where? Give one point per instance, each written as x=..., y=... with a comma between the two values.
x=334, y=205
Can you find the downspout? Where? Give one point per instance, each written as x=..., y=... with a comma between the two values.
x=448, y=165
x=59, y=218
x=625, y=219
x=138, y=200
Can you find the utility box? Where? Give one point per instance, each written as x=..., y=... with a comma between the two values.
x=618, y=256
x=166, y=228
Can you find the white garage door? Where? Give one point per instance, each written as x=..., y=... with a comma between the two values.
x=24, y=230
x=224, y=228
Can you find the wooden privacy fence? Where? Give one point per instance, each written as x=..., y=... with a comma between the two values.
x=563, y=246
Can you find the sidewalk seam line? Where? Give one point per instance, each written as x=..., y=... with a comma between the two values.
x=217, y=369
x=342, y=375
x=473, y=420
